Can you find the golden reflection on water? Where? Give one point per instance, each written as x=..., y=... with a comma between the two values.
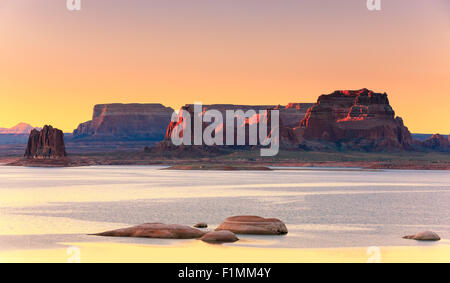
x=199, y=252
x=42, y=189
x=78, y=194
x=12, y=224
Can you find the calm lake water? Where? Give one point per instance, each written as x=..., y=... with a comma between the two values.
x=43, y=207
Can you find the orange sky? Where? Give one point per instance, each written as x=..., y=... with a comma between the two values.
x=55, y=64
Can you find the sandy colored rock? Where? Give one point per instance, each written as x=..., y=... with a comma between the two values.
x=224, y=236
x=424, y=236
x=253, y=225
x=156, y=230
x=201, y=225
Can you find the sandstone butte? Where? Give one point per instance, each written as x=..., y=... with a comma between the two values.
x=356, y=119
x=47, y=143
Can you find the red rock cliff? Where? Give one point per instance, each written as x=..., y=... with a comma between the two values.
x=356, y=119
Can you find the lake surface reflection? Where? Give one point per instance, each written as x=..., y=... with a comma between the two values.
x=43, y=207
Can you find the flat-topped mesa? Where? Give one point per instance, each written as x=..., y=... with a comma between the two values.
x=47, y=143
x=126, y=122
x=356, y=119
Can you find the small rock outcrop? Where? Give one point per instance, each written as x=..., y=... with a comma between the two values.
x=217, y=237
x=424, y=236
x=253, y=225
x=156, y=230
x=201, y=225
x=47, y=143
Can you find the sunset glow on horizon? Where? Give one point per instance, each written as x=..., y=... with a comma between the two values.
x=55, y=65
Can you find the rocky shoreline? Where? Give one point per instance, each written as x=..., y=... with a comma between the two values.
x=228, y=166
x=246, y=159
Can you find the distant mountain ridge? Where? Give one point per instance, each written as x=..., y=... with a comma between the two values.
x=19, y=129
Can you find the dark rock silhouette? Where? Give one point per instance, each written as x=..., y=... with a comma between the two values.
x=201, y=225
x=47, y=143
